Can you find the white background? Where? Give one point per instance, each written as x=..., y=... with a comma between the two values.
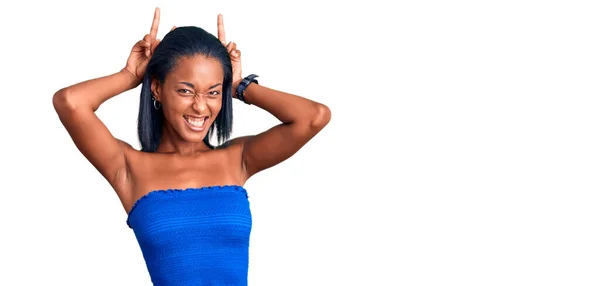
x=463, y=147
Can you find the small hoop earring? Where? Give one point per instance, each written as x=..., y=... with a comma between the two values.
x=156, y=103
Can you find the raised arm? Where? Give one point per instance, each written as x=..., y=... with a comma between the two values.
x=76, y=106
x=301, y=119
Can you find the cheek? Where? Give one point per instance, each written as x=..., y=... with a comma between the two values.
x=174, y=105
x=215, y=107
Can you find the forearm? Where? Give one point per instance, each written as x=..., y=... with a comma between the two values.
x=288, y=108
x=92, y=93
x=301, y=120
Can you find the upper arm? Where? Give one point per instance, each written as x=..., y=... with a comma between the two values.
x=277, y=144
x=92, y=138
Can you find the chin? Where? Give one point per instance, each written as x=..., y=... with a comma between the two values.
x=193, y=137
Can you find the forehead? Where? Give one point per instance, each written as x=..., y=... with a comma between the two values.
x=199, y=69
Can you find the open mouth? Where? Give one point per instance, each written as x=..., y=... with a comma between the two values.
x=196, y=123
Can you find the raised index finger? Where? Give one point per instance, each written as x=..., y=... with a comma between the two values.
x=154, y=29
x=221, y=29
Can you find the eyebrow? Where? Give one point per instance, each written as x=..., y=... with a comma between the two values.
x=192, y=85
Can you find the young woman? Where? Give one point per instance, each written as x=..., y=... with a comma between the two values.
x=184, y=197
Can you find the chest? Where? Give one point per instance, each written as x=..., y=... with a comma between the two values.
x=161, y=172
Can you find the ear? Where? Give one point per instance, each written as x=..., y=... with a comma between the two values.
x=155, y=88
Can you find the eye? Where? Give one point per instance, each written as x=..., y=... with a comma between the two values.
x=185, y=91
x=214, y=93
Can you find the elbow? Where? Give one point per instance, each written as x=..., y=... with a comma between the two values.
x=63, y=101
x=321, y=116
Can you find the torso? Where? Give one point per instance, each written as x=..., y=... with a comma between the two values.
x=155, y=171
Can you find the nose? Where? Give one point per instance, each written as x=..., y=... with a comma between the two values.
x=199, y=104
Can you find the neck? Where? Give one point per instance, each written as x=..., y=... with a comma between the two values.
x=171, y=142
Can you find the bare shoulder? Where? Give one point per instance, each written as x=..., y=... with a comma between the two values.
x=136, y=160
x=233, y=150
x=128, y=150
x=234, y=143
x=125, y=145
x=235, y=146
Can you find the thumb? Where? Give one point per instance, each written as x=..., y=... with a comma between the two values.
x=235, y=55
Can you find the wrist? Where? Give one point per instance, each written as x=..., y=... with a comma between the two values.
x=234, y=87
x=240, y=90
x=131, y=78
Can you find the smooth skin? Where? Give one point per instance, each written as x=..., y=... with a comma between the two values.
x=192, y=90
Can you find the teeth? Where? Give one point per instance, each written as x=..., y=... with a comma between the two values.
x=195, y=122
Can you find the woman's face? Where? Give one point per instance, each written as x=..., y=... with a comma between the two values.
x=191, y=96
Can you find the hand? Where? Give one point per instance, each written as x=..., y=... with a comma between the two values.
x=234, y=53
x=142, y=50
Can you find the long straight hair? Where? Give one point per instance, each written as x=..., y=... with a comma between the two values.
x=183, y=42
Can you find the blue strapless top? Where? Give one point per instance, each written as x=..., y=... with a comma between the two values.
x=196, y=236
